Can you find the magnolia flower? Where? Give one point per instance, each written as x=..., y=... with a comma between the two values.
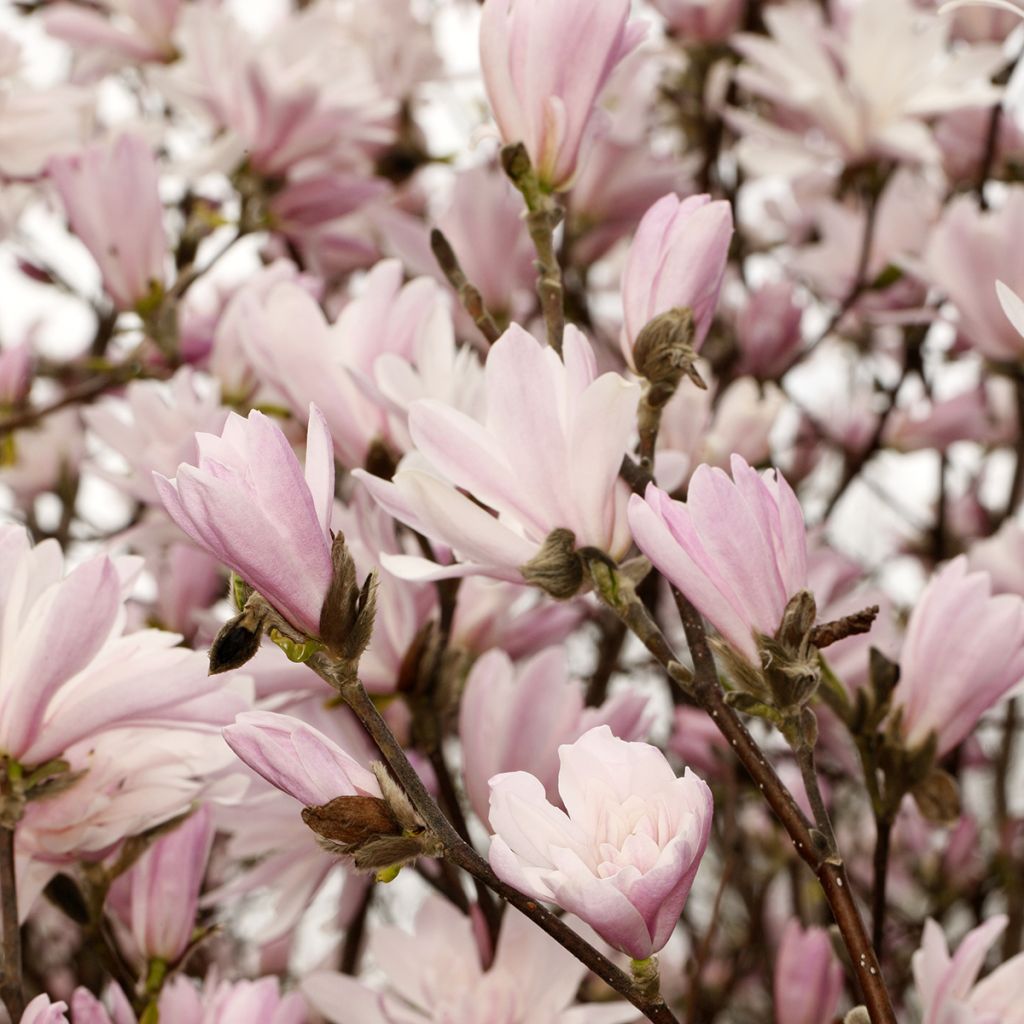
x=42, y=1010
x=436, y=974
x=948, y=986
x=298, y=759
x=546, y=457
x=677, y=260
x=736, y=548
x=768, y=330
x=1002, y=556
x=702, y=21
x=111, y=194
x=964, y=650
x=143, y=31
x=515, y=719
x=165, y=887
x=808, y=978
x=248, y=503
x=68, y=672
x=624, y=853
x=15, y=373
x=545, y=63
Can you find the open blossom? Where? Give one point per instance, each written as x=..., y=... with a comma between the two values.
x=808, y=978
x=545, y=63
x=515, y=718
x=67, y=670
x=248, y=503
x=111, y=194
x=546, y=456
x=964, y=650
x=624, y=853
x=676, y=260
x=298, y=759
x=948, y=987
x=42, y=1010
x=736, y=548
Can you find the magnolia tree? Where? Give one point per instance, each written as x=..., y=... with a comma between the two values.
x=511, y=513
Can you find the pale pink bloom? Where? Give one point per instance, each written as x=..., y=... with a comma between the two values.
x=969, y=250
x=298, y=759
x=768, y=331
x=310, y=360
x=436, y=975
x=545, y=63
x=808, y=978
x=38, y=124
x=153, y=428
x=87, y=1009
x=165, y=885
x=15, y=373
x=962, y=137
x=230, y=1002
x=864, y=93
x=546, y=456
x=67, y=671
x=43, y=454
x=702, y=21
x=948, y=987
x=676, y=259
x=964, y=650
x=515, y=718
x=111, y=194
x=624, y=853
x=736, y=548
x=696, y=740
x=940, y=423
x=248, y=503
x=1013, y=306
x=43, y=1011
x=1002, y=557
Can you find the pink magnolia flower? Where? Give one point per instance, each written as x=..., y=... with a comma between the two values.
x=677, y=259
x=546, y=456
x=948, y=986
x=298, y=759
x=1002, y=557
x=808, y=978
x=736, y=548
x=768, y=330
x=624, y=853
x=165, y=887
x=545, y=64
x=702, y=21
x=532, y=978
x=249, y=504
x=87, y=1009
x=111, y=194
x=964, y=650
x=230, y=1002
x=15, y=373
x=67, y=671
x=42, y=1010
x=515, y=719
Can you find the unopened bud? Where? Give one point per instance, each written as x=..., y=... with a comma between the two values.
x=557, y=567
x=664, y=352
x=346, y=618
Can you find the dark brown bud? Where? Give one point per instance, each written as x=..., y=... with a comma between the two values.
x=938, y=797
x=664, y=352
x=827, y=633
x=346, y=618
x=350, y=821
x=238, y=639
x=557, y=567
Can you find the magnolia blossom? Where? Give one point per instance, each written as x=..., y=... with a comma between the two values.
x=298, y=759
x=67, y=672
x=436, y=975
x=736, y=548
x=111, y=194
x=677, y=260
x=248, y=503
x=546, y=456
x=142, y=33
x=1002, y=557
x=225, y=1002
x=15, y=373
x=964, y=650
x=545, y=64
x=768, y=330
x=624, y=853
x=702, y=21
x=42, y=1010
x=515, y=720
x=808, y=978
x=948, y=987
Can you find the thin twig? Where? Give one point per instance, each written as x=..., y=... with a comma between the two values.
x=469, y=295
x=10, y=980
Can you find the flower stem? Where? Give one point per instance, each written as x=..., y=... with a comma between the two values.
x=10, y=980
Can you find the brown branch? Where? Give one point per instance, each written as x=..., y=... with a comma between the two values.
x=469, y=295
x=10, y=979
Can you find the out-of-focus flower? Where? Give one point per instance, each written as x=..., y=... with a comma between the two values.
x=808, y=978
x=938, y=424
x=1002, y=557
x=624, y=853
x=87, y=1009
x=68, y=672
x=532, y=977
x=969, y=250
x=544, y=67
x=964, y=650
x=15, y=374
x=736, y=548
x=948, y=987
x=298, y=759
x=249, y=504
x=676, y=260
x=515, y=719
x=702, y=21
x=962, y=137
x=224, y=1002
x=111, y=194
x=1013, y=306
x=696, y=740
x=768, y=331
x=864, y=94
x=43, y=1011
x=153, y=428
x=546, y=457
x=165, y=888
